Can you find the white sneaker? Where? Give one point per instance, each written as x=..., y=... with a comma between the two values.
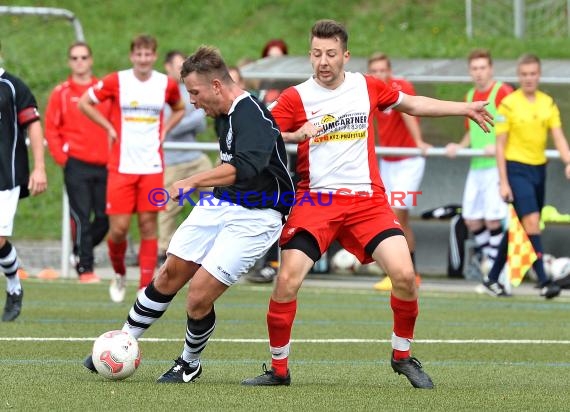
x=73, y=260
x=118, y=288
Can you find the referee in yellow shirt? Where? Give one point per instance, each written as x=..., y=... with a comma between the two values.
x=523, y=121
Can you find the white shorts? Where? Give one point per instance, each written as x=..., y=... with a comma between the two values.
x=8, y=205
x=401, y=178
x=481, y=198
x=226, y=240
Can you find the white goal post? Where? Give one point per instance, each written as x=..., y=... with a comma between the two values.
x=47, y=12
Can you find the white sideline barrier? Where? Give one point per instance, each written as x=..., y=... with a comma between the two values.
x=291, y=148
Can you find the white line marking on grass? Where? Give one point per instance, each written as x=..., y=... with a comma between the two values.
x=240, y=340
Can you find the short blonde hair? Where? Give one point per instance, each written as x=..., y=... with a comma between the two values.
x=379, y=56
x=528, y=58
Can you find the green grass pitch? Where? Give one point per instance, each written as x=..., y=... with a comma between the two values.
x=482, y=353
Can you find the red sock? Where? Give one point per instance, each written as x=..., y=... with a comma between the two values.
x=280, y=317
x=405, y=315
x=117, y=256
x=148, y=254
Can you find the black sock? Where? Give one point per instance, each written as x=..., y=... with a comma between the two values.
x=198, y=331
x=538, y=266
x=147, y=309
x=8, y=259
x=500, y=260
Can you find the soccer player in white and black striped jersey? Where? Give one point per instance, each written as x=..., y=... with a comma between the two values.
x=225, y=235
x=18, y=113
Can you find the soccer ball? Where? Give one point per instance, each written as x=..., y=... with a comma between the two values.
x=344, y=262
x=116, y=355
x=560, y=268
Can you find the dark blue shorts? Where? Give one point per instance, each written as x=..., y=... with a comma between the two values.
x=528, y=185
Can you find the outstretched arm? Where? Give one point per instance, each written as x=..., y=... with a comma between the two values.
x=429, y=107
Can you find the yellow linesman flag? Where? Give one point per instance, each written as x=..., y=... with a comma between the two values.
x=520, y=255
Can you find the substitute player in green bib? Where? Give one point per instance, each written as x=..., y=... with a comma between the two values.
x=482, y=208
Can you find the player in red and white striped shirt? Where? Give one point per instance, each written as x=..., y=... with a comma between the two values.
x=341, y=196
x=138, y=97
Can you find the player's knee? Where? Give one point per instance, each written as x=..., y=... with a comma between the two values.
x=167, y=279
x=286, y=286
x=197, y=306
x=404, y=281
x=118, y=233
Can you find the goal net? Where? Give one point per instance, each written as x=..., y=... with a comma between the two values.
x=518, y=18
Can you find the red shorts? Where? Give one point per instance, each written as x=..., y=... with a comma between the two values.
x=127, y=193
x=353, y=220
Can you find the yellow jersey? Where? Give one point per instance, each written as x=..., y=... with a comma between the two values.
x=527, y=124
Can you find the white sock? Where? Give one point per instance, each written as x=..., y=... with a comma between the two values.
x=13, y=285
x=401, y=344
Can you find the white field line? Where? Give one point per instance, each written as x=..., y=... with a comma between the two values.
x=239, y=340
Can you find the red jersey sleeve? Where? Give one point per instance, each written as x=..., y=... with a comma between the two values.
x=407, y=87
x=173, y=97
x=106, y=88
x=381, y=96
x=503, y=91
x=53, y=120
x=288, y=111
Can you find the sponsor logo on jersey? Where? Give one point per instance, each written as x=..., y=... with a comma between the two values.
x=226, y=157
x=327, y=118
x=229, y=138
x=352, y=126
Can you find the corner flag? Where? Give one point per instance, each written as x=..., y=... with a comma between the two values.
x=520, y=255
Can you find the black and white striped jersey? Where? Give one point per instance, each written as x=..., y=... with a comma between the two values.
x=18, y=108
x=251, y=141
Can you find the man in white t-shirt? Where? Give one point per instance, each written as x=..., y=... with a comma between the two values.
x=135, y=166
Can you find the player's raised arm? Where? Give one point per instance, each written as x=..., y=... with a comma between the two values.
x=430, y=107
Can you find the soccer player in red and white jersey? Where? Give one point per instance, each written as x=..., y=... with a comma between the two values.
x=137, y=130
x=400, y=174
x=341, y=196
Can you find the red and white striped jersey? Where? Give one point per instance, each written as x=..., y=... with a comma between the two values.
x=137, y=115
x=342, y=157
